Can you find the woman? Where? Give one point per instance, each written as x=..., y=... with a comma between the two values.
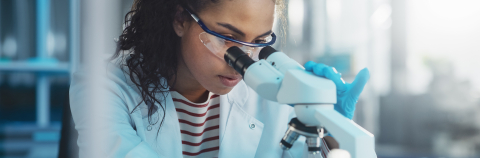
x=171, y=94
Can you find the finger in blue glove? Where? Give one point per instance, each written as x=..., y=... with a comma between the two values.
x=346, y=102
x=359, y=83
x=331, y=73
x=347, y=94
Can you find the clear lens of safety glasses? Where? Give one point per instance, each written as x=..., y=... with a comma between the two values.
x=219, y=46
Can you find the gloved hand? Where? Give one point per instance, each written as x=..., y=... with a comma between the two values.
x=347, y=93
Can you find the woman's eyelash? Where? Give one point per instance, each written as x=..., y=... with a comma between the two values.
x=231, y=37
x=256, y=41
x=261, y=41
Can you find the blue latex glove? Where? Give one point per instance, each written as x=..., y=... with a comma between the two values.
x=347, y=93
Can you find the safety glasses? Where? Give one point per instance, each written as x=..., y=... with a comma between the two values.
x=218, y=44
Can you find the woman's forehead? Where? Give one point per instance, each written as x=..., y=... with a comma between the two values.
x=249, y=16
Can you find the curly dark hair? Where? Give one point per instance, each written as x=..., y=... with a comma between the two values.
x=153, y=45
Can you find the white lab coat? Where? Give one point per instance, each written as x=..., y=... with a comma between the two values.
x=249, y=125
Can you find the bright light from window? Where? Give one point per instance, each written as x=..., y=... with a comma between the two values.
x=446, y=30
x=334, y=9
x=295, y=20
x=381, y=17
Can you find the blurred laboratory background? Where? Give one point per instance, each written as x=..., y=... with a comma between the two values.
x=422, y=100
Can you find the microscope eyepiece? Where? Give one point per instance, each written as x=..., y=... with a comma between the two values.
x=237, y=59
x=265, y=52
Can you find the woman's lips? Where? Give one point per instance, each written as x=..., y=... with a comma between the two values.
x=229, y=81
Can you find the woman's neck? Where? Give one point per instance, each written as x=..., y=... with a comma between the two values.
x=193, y=95
x=187, y=85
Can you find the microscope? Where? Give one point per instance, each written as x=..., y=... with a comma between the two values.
x=278, y=78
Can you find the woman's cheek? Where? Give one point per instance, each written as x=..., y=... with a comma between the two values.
x=204, y=65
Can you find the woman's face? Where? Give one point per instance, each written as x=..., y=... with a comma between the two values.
x=243, y=20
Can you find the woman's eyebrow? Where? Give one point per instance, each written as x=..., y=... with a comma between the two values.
x=236, y=30
x=265, y=34
x=233, y=28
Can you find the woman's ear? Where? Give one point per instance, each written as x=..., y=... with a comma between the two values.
x=179, y=22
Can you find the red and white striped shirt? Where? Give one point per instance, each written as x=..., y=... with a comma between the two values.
x=199, y=125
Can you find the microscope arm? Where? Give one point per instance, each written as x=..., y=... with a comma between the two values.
x=351, y=137
x=314, y=97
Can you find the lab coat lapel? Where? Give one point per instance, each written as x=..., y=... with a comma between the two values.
x=240, y=132
x=168, y=143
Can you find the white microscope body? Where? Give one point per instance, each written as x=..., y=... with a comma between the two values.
x=279, y=78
